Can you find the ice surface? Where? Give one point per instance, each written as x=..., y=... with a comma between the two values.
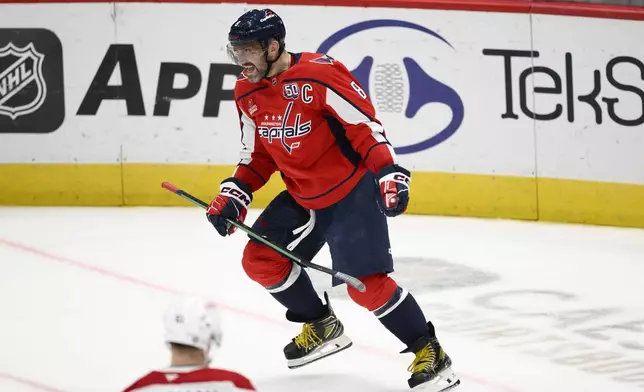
x=520, y=306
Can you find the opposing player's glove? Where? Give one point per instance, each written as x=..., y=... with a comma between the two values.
x=393, y=182
x=232, y=203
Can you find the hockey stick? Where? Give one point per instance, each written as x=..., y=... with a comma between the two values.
x=348, y=279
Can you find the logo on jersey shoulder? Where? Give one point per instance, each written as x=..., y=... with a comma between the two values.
x=171, y=377
x=273, y=127
x=323, y=60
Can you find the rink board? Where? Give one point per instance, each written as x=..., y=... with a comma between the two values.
x=540, y=117
x=433, y=193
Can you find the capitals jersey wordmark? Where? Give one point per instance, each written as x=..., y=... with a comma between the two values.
x=284, y=132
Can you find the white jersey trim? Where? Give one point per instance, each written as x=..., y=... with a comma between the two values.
x=181, y=369
x=248, y=139
x=351, y=115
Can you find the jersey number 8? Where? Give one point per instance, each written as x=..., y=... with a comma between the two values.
x=359, y=90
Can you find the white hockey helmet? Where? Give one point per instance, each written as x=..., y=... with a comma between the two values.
x=193, y=322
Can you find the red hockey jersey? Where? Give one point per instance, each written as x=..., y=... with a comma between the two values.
x=192, y=379
x=315, y=124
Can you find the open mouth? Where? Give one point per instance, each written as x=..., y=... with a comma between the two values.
x=249, y=68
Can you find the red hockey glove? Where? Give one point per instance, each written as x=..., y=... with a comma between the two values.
x=232, y=203
x=393, y=182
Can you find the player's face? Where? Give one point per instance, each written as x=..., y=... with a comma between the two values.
x=252, y=57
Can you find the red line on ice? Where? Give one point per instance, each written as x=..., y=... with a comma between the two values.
x=166, y=289
x=30, y=383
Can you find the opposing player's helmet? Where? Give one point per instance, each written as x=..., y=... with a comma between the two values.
x=192, y=322
x=257, y=25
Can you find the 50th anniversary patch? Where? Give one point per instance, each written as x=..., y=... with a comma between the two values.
x=32, y=98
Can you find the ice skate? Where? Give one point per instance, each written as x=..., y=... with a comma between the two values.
x=432, y=368
x=318, y=339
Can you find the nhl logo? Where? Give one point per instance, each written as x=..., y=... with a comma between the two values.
x=22, y=85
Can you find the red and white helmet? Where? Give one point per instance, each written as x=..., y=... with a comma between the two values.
x=193, y=322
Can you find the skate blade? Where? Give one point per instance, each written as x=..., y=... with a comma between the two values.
x=444, y=381
x=329, y=348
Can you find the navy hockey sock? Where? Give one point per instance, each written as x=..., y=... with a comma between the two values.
x=402, y=316
x=297, y=294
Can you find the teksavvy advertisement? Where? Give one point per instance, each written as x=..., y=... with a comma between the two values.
x=460, y=92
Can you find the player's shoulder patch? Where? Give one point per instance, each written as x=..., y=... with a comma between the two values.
x=313, y=65
x=323, y=59
x=306, y=59
x=317, y=66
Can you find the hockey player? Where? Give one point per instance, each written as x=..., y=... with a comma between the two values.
x=304, y=115
x=191, y=329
